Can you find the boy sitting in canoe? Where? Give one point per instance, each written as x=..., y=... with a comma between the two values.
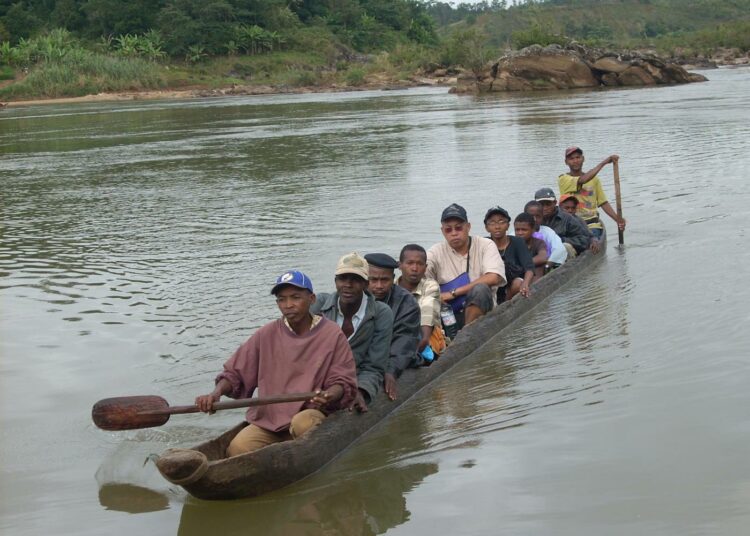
x=569, y=203
x=299, y=352
x=524, y=226
x=413, y=265
x=519, y=268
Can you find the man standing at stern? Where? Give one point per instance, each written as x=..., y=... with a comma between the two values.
x=299, y=352
x=588, y=190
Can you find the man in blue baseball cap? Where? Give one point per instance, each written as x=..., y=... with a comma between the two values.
x=299, y=352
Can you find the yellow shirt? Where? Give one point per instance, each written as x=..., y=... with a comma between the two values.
x=590, y=197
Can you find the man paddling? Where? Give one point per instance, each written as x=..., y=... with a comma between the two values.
x=587, y=188
x=297, y=353
x=406, y=334
x=366, y=322
x=468, y=268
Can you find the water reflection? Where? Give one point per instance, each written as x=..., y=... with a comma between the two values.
x=132, y=499
x=360, y=505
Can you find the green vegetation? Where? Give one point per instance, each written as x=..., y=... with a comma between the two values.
x=667, y=25
x=54, y=48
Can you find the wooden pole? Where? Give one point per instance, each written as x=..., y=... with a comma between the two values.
x=618, y=201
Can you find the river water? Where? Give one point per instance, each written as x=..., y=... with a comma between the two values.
x=139, y=240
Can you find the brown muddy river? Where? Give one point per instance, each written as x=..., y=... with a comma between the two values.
x=139, y=240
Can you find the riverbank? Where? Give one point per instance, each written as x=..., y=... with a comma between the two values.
x=439, y=78
x=383, y=80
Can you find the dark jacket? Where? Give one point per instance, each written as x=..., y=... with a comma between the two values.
x=370, y=343
x=570, y=229
x=407, y=331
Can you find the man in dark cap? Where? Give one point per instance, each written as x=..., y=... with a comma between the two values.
x=575, y=235
x=406, y=317
x=468, y=268
x=519, y=266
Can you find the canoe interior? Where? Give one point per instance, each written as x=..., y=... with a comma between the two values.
x=281, y=464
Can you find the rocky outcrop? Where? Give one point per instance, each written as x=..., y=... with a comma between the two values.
x=570, y=67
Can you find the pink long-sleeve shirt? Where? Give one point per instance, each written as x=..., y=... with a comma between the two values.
x=275, y=360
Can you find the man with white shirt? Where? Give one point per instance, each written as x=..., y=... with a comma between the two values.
x=366, y=322
x=468, y=268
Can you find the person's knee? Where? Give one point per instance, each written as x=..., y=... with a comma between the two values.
x=304, y=421
x=250, y=439
x=481, y=297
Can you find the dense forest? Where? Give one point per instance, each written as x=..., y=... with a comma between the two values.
x=75, y=47
x=221, y=26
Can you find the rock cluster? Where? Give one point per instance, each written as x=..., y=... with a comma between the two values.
x=573, y=66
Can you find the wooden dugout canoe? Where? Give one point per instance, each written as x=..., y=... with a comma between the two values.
x=205, y=473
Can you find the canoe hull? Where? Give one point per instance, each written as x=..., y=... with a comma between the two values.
x=281, y=464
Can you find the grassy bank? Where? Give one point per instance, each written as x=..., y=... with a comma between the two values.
x=58, y=65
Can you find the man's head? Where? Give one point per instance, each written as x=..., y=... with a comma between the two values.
x=352, y=273
x=497, y=222
x=546, y=197
x=381, y=273
x=534, y=208
x=294, y=295
x=524, y=225
x=455, y=226
x=412, y=263
x=574, y=158
x=569, y=203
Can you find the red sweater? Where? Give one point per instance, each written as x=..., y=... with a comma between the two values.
x=276, y=361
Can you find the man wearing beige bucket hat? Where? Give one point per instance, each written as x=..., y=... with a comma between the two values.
x=366, y=322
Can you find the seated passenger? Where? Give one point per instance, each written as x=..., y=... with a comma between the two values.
x=573, y=232
x=519, y=268
x=556, y=252
x=569, y=203
x=587, y=188
x=299, y=352
x=524, y=228
x=413, y=265
x=366, y=322
x=406, y=333
x=468, y=269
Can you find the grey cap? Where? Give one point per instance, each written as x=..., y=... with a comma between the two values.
x=545, y=194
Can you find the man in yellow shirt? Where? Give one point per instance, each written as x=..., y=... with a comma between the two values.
x=588, y=190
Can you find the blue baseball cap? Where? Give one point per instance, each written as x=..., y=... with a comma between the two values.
x=294, y=278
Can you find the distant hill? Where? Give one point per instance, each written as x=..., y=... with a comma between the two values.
x=664, y=24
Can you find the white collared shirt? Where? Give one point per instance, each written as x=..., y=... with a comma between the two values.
x=358, y=316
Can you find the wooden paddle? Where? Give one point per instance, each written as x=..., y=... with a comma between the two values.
x=618, y=201
x=132, y=412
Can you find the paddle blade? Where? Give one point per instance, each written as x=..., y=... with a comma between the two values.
x=124, y=412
